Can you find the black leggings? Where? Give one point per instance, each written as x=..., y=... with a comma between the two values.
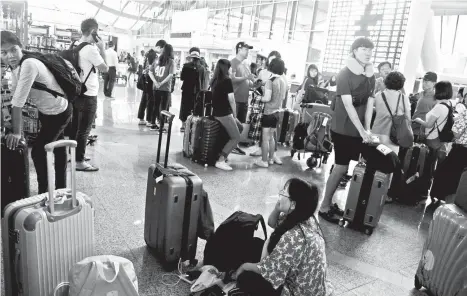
x=161, y=102
x=254, y=284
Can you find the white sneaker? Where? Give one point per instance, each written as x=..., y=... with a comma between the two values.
x=261, y=163
x=258, y=152
x=271, y=162
x=148, y=124
x=223, y=166
x=276, y=160
x=142, y=122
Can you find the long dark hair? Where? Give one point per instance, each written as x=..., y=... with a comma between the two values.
x=150, y=57
x=315, y=79
x=221, y=72
x=306, y=197
x=167, y=55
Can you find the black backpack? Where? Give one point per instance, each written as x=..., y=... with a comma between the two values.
x=72, y=55
x=300, y=133
x=62, y=70
x=446, y=135
x=233, y=243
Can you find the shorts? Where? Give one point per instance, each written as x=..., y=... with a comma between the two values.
x=346, y=148
x=270, y=121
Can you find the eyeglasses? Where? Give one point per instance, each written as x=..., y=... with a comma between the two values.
x=284, y=193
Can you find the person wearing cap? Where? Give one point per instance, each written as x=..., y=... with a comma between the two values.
x=241, y=78
x=425, y=102
x=193, y=77
x=111, y=59
x=355, y=84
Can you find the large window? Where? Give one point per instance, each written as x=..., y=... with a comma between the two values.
x=247, y=23
x=280, y=20
x=264, y=21
x=304, y=20
x=235, y=20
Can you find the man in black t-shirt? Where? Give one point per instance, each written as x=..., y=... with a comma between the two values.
x=355, y=84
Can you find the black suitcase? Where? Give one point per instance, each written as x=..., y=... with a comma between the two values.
x=209, y=142
x=15, y=173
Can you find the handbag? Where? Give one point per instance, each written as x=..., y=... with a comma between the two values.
x=401, y=131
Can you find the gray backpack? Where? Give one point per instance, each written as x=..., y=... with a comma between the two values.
x=401, y=130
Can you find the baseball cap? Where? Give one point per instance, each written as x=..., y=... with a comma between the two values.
x=242, y=44
x=194, y=52
x=430, y=76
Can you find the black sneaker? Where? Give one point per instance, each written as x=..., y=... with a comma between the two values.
x=154, y=127
x=335, y=208
x=237, y=150
x=330, y=216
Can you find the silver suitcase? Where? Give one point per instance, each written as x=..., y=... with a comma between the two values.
x=366, y=198
x=42, y=240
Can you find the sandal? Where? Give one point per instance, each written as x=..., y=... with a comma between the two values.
x=388, y=200
x=88, y=168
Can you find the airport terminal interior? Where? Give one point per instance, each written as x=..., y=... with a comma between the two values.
x=422, y=39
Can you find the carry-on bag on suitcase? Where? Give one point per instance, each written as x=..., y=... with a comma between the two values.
x=443, y=267
x=172, y=208
x=44, y=235
x=286, y=124
x=15, y=173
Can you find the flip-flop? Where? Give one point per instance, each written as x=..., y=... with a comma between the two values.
x=85, y=159
x=88, y=169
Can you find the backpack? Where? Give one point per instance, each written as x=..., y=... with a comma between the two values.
x=319, y=133
x=300, y=133
x=446, y=135
x=62, y=70
x=233, y=242
x=72, y=55
x=401, y=130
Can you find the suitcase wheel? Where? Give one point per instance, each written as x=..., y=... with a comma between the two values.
x=292, y=152
x=368, y=231
x=342, y=222
x=311, y=162
x=417, y=283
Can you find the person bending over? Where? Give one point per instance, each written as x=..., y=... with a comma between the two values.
x=294, y=258
x=54, y=112
x=224, y=110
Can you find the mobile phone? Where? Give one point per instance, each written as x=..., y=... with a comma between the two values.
x=95, y=36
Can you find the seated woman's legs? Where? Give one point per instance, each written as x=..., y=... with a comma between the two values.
x=230, y=125
x=256, y=285
x=265, y=142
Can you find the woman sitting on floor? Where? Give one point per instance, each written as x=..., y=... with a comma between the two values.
x=294, y=258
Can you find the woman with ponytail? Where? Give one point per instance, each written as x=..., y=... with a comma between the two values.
x=295, y=252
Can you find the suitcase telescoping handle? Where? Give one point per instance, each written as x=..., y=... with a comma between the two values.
x=170, y=117
x=49, y=148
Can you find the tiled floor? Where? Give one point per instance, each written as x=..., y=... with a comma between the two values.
x=382, y=264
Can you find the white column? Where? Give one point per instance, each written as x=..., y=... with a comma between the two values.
x=419, y=15
x=430, y=52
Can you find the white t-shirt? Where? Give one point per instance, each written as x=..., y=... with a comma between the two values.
x=33, y=70
x=440, y=112
x=89, y=56
x=111, y=58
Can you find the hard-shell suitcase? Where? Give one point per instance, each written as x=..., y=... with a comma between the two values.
x=43, y=239
x=415, y=161
x=190, y=135
x=172, y=208
x=443, y=267
x=209, y=140
x=310, y=108
x=288, y=120
x=366, y=197
x=461, y=193
x=15, y=173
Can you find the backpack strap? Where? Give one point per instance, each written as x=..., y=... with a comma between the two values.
x=38, y=85
x=78, y=49
x=263, y=225
x=446, y=119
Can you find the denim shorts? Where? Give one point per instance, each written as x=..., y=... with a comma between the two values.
x=270, y=121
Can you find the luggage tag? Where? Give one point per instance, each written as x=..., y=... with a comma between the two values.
x=325, y=121
x=384, y=149
x=413, y=178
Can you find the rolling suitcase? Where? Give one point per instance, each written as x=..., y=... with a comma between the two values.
x=366, y=197
x=461, y=193
x=310, y=108
x=172, y=208
x=443, y=267
x=417, y=174
x=286, y=124
x=43, y=239
x=209, y=140
x=15, y=173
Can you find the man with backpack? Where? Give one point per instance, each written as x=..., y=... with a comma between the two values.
x=91, y=56
x=31, y=77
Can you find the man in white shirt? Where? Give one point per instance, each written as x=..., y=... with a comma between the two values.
x=30, y=77
x=91, y=57
x=111, y=59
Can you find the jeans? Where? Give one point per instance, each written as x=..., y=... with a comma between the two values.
x=146, y=105
x=234, y=129
x=242, y=110
x=84, y=112
x=52, y=128
x=161, y=101
x=109, y=80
